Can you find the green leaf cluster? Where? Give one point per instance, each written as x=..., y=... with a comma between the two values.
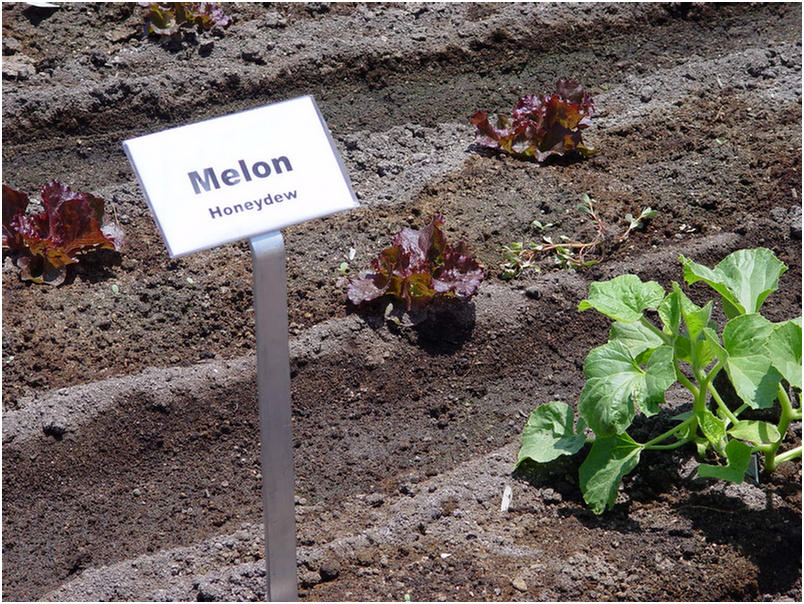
x=631, y=373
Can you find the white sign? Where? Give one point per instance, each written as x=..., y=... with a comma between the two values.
x=241, y=175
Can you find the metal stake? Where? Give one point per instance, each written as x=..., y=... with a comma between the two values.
x=273, y=383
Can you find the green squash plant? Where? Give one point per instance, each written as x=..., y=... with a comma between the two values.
x=641, y=361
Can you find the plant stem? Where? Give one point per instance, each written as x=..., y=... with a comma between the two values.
x=665, y=338
x=787, y=415
x=721, y=405
x=652, y=443
x=788, y=455
x=546, y=247
x=674, y=445
x=699, y=404
x=685, y=381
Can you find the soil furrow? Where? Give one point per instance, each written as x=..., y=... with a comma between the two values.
x=130, y=434
x=382, y=525
x=160, y=424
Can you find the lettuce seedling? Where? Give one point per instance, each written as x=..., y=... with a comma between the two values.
x=631, y=373
x=540, y=125
x=166, y=18
x=43, y=244
x=419, y=267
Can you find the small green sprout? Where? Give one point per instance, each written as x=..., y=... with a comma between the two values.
x=537, y=224
x=569, y=254
x=343, y=267
x=636, y=223
x=115, y=290
x=517, y=260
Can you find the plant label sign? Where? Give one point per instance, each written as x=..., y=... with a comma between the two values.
x=240, y=175
x=246, y=176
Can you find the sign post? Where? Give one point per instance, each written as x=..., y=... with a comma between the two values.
x=273, y=383
x=246, y=176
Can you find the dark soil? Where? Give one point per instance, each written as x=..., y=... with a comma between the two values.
x=130, y=430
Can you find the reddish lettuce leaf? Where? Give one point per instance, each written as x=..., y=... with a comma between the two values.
x=540, y=125
x=417, y=268
x=14, y=202
x=44, y=244
x=166, y=18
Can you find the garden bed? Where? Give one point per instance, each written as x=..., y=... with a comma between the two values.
x=130, y=430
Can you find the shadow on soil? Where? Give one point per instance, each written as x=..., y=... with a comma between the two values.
x=37, y=14
x=568, y=159
x=439, y=329
x=771, y=537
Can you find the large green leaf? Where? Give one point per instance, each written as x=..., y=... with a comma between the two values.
x=638, y=338
x=784, y=348
x=755, y=431
x=677, y=306
x=549, y=434
x=747, y=361
x=660, y=374
x=623, y=298
x=744, y=278
x=617, y=386
x=670, y=311
x=702, y=354
x=705, y=353
x=695, y=317
x=738, y=455
x=610, y=458
x=713, y=339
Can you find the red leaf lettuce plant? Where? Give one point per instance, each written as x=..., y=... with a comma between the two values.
x=166, y=18
x=44, y=244
x=540, y=125
x=418, y=268
x=630, y=374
